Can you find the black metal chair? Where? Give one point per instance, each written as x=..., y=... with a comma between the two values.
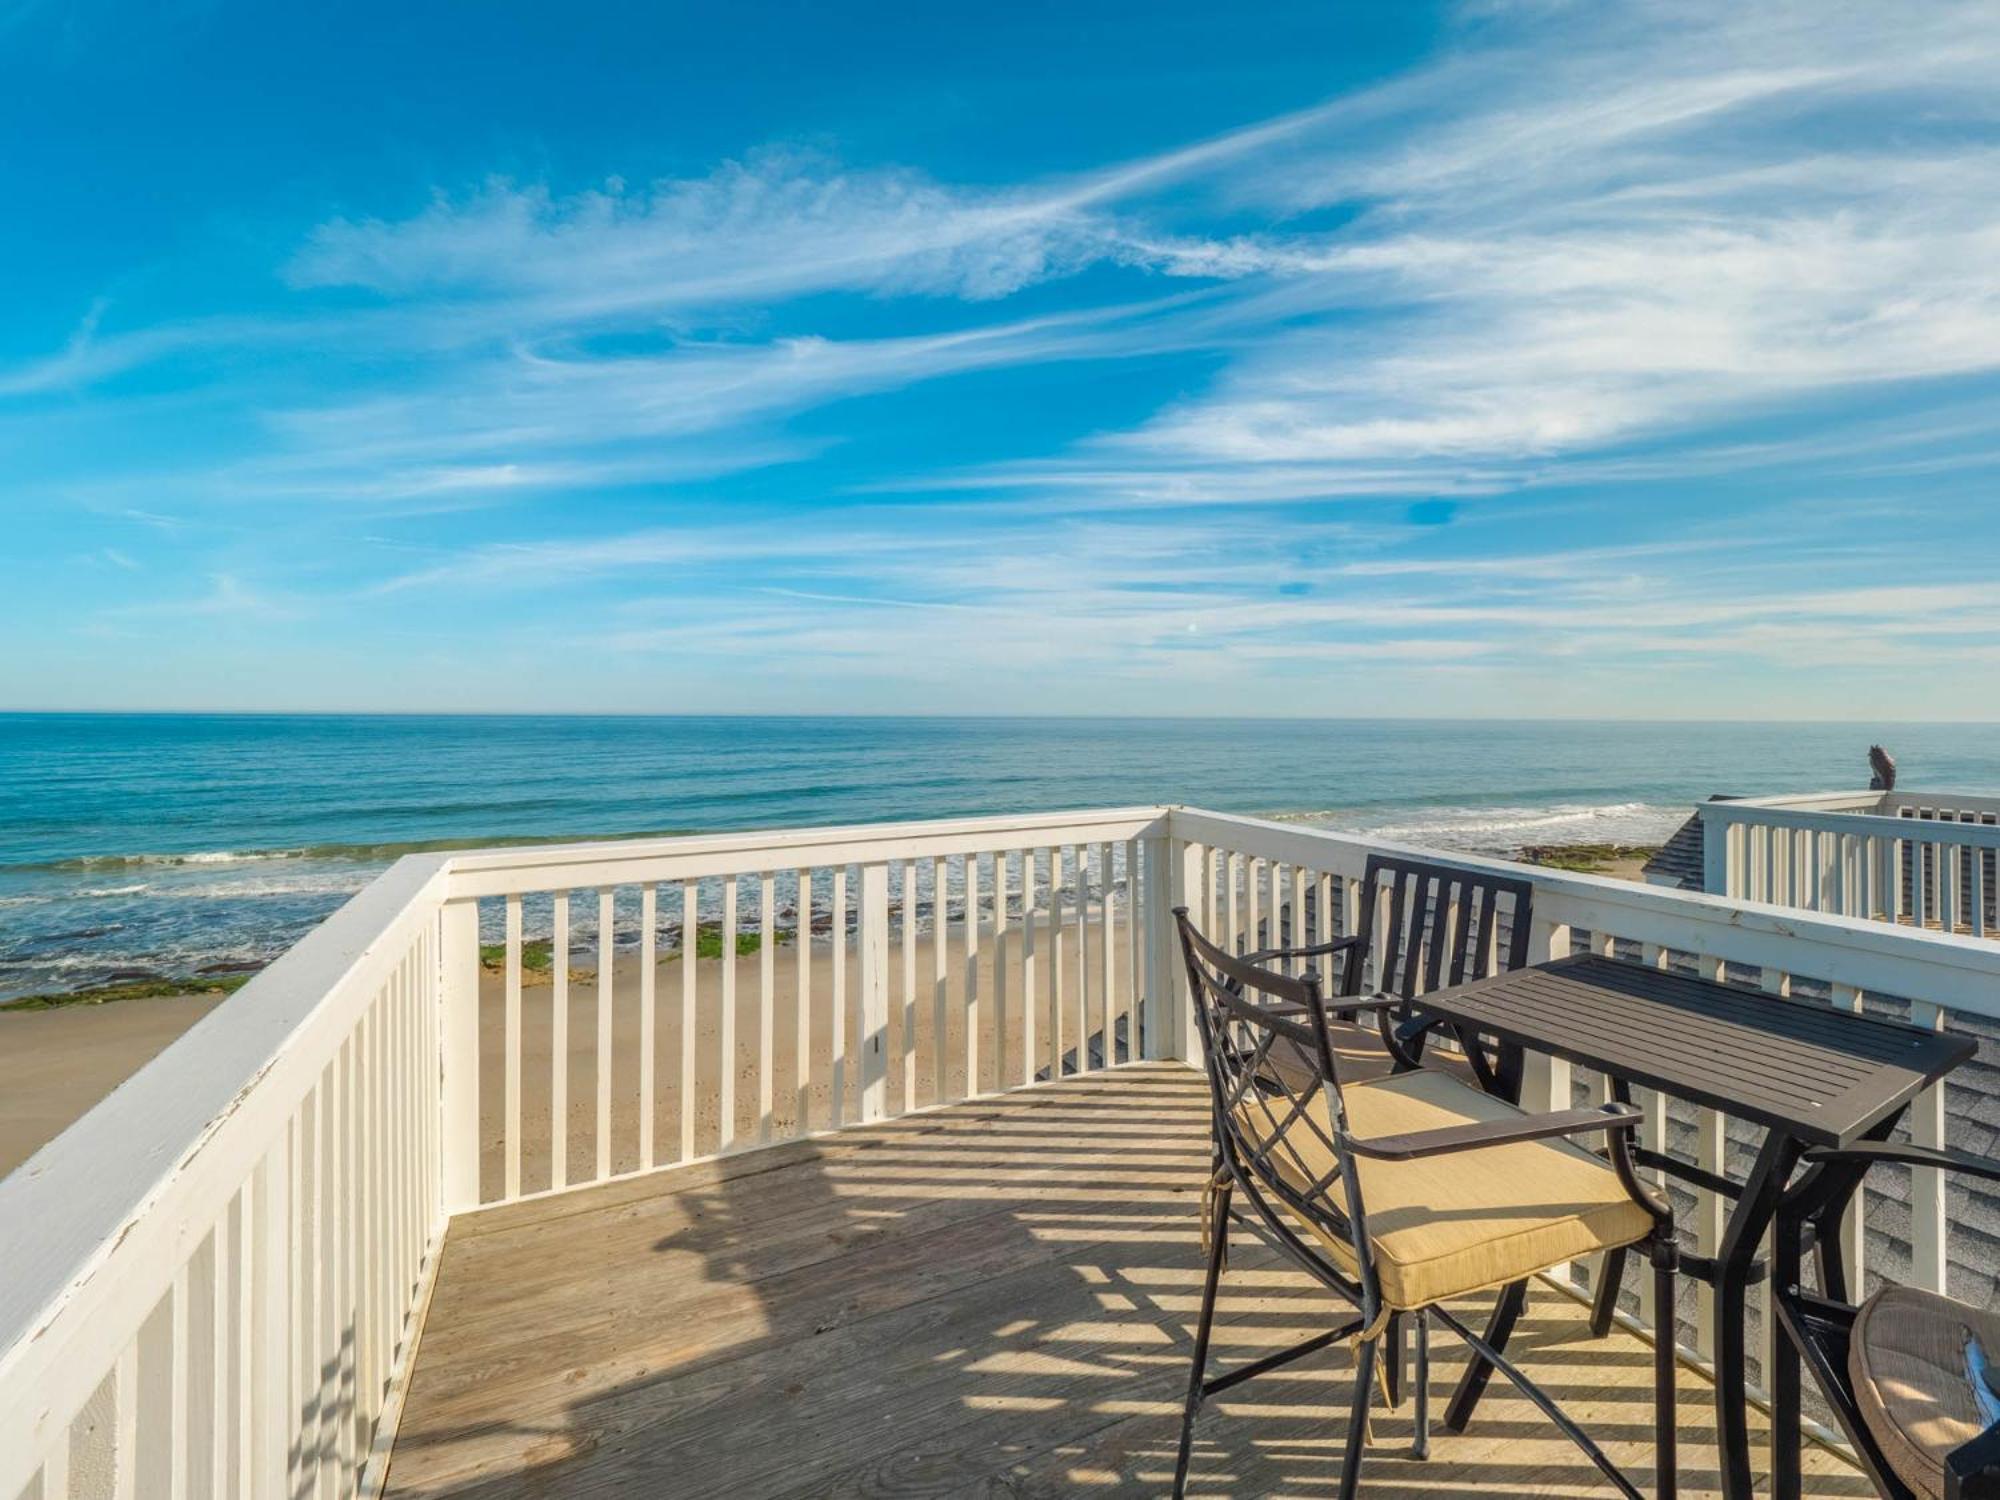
x=1427, y=926
x=1397, y=1194
x=1893, y=1368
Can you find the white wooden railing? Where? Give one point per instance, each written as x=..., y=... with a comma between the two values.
x=212, y=1277
x=927, y=962
x=1919, y=860
x=216, y=1280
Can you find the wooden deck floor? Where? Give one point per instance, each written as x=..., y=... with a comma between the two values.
x=995, y=1299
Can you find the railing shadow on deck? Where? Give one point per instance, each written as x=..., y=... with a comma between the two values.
x=995, y=1299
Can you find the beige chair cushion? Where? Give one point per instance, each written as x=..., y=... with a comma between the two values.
x=1907, y=1362
x=1466, y=1222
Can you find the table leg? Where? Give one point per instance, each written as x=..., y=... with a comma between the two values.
x=1513, y=1067
x=1747, y=1223
x=1819, y=1198
x=1787, y=1264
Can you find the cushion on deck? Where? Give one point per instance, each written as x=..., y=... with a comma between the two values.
x=1907, y=1361
x=1466, y=1222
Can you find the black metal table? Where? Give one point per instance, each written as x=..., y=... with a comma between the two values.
x=1810, y=1075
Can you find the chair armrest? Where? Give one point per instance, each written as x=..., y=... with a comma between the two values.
x=1317, y=950
x=1872, y=1152
x=1482, y=1133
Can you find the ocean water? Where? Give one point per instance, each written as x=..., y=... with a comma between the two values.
x=135, y=845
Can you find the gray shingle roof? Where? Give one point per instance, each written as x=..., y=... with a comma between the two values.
x=1681, y=859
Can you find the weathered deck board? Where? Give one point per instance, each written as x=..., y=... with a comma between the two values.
x=992, y=1299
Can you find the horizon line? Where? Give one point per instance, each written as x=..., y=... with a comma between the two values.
x=510, y=713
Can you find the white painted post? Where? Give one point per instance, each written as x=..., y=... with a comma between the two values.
x=458, y=1063
x=649, y=917
x=909, y=947
x=1853, y=1229
x=1927, y=1190
x=606, y=923
x=767, y=1014
x=1714, y=852
x=1166, y=1031
x=873, y=1041
x=1030, y=1044
x=1545, y=1081
x=690, y=993
x=1710, y=1217
x=511, y=1048
x=971, y=995
x=727, y=1064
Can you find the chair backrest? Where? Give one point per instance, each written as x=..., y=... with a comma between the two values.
x=1429, y=925
x=1271, y=1074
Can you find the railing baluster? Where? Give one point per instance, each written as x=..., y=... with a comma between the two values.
x=1057, y=1030
x=837, y=1112
x=1081, y=923
x=1107, y=938
x=912, y=1053
x=1853, y=1224
x=1253, y=904
x=1080, y=866
x=1001, y=880
x=1232, y=930
x=725, y=1073
x=1776, y=982
x=767, y=1005
x=1030, y=1001
x=559, y=1041
x=871, y=1042
x=802, y=1069
x=52, y=1480
x=606, y=977
x=125, y=1424
x=1545, y=1080
x=510, y=1048
x=176, y=1373
x=1927, y=1185
x=1296, y=928
x=940, y=986
x=367, y=1203
x=971, y=1004
x=690, y=948
x=649, y=919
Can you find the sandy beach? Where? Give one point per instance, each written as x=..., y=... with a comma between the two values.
x=61, y=1062
x=909, y=1015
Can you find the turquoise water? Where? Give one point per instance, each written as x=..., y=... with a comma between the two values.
x=165, y=844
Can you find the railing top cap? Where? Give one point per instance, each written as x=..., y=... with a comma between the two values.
x=800, y=845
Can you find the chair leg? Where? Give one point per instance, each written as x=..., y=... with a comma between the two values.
x=1395, y=1360
x=1610, y=1279
x=1472, y=1384
x=1357, y=1418
x=1665, y=1417
x=1218, y=1245
x=1421, y=1446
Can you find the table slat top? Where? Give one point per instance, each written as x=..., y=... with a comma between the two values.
x=1824, y=1075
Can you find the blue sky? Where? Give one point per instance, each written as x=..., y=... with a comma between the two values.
x=1510, y=359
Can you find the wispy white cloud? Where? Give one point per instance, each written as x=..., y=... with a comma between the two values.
x=755, y=232
x=1626, y=225
x=227, y=596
